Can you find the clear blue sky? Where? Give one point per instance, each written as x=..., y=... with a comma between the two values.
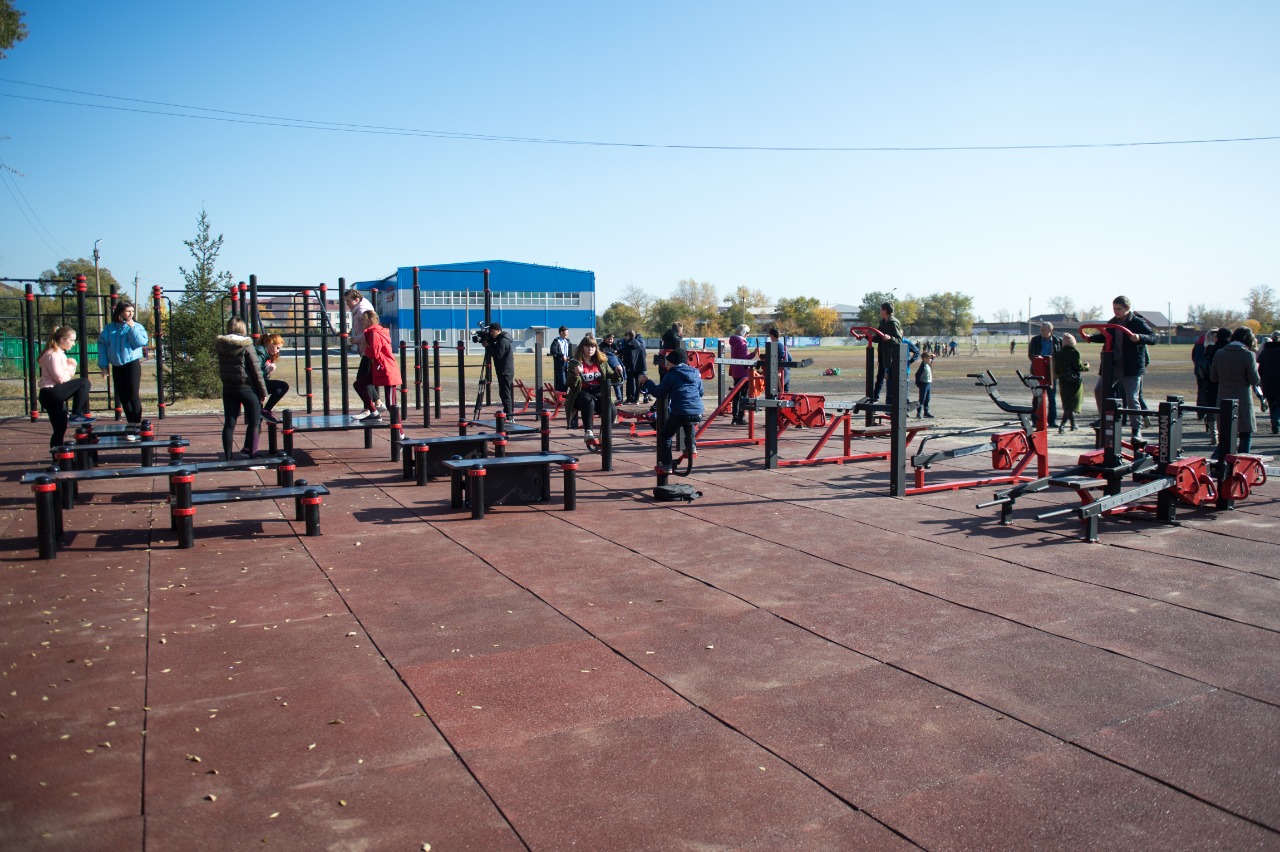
x=1178, y=224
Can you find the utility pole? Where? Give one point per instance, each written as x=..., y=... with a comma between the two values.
x=97, y=287
x=135, y=290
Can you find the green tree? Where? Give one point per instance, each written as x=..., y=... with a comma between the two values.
x=795, y=315
x=869, y=307
x=1263, y=306
x=825, y=322
x=663, y=312
x=1204, y=317
x=12, y=30
x=618, y=318
x=197, y=319
x=945, y=314
x=740, y=303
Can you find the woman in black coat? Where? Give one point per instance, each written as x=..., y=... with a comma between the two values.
x=1269, y=371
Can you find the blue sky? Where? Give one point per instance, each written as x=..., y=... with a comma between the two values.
x=1176, y=224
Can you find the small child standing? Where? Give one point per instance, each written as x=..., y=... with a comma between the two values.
x=924, y=384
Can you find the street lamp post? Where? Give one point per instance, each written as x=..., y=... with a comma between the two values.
x=97, y=286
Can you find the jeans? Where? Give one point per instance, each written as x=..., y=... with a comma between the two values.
x=1053, y=406
x=926, y=393
x=233, y=399
x=669, y=429
x=1129, y=387
x=126, y=378
x=560, y=365
x=54, y=400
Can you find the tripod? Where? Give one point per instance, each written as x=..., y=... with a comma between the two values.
x=486, y=378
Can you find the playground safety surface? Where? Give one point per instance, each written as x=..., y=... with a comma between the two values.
x=792, y=661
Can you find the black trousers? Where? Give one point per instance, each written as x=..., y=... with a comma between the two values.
x=127, y=378
x=233, y=399
x=586, y=404
x=364, y=386
x=506, y=385
x=276, y=390
x=54, y=401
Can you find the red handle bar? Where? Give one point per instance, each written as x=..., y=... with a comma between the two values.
x=1105, y=328
x=867, y=331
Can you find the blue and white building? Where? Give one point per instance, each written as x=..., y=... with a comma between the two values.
x=524, y=296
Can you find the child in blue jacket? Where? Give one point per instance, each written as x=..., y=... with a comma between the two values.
x=681, y=391
x=120, y=347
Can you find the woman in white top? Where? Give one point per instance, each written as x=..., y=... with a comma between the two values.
x=58, y=384
x=358, y=305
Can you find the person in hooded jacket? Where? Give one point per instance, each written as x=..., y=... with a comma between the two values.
x=502, y=357
x=242, y=387
x=384, y=372
x=1235, y=369
x=1269, y=372
x=681, y=391
x=633, y=354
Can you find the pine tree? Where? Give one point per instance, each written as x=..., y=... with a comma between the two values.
x=197, y=319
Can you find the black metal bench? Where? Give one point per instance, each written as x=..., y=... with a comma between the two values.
x=55, y=490
x=84, y=455
x=306, y=499
x=291, y=424
x=424, y=458
x=509, y=480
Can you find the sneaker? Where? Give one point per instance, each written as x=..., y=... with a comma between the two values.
x=382, y=407
x=81, y=418
x=372, y=415
x=132, y=436
x=270, y=417
x=927, y=414
x=364, y=415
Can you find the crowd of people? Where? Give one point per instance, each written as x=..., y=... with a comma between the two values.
x=1227, y=363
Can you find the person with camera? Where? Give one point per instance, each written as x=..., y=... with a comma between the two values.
x=590, y=375
x=497, y=344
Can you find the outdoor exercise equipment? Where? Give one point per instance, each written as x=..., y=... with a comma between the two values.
x=480, y=483
x=1155, y=471
x=1011, y=450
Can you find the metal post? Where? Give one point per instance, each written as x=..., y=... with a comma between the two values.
x=462, y=388
x=306, y=343
x=1228, y=444
x=184, y=522
x=157, y=315
x=544, y=429
x=82, y=327
x=404, y=397
x=311, y=511
x=287, y=431
x=113, y=399
x=897, y=419
x=871, y=380
x=455, y=486
x=46, y=491
x=417, y=342
x=537, y=372
x=244, y=304
x=285, y=472
x=438, y=388
x=570, y=485
x=771, y=359
x=298, y=512
x=488, y=318
x=32, y=344
x=324, y=346
x=475, y=487
x=426, y=399
x=343, y=338
x=720, y=390
x=606, y=427
x=420, y=453
x=255, y=313
x=397, y=432
x=235, y=303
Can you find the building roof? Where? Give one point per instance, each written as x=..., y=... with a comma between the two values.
x=1156, y=318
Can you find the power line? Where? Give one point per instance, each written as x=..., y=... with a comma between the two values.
x=5, y=179
x=231, y=116
x=18, y=186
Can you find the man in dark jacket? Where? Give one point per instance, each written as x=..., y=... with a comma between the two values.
x=681, y=391
x=1047, y=345
x=891, y=328
x=1128, y=358
x=502, y=356
x=633, y=355
x=1269, y=371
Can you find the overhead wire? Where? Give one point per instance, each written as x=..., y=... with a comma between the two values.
x=236, y=117
x=6, y=180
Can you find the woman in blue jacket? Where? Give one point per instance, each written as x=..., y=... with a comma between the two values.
x=120, y=347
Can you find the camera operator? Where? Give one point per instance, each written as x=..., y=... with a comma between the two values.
x=501, y=355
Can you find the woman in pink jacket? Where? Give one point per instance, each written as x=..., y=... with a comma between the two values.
x=58, y=384
x=383, y=371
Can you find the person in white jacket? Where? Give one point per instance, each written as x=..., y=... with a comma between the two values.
x=357, y=305
x=58, y=384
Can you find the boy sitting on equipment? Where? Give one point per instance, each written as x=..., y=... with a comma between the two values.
x=680, y=390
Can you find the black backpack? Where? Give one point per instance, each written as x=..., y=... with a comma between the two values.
x=676, y=493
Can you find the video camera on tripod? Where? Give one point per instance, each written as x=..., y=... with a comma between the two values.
x=481, y=334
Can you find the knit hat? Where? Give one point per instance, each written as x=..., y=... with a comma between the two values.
x=677, y=356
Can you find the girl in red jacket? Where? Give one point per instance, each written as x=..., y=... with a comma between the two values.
x=385, y=372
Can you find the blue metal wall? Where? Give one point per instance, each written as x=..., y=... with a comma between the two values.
x=505, y=279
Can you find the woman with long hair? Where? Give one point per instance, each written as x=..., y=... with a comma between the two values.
x=589, y=376
x=120, y=347
x=58, y=384
x=268, y=352
x=242, y=387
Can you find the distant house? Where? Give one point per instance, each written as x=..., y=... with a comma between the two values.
x=1056, y=319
